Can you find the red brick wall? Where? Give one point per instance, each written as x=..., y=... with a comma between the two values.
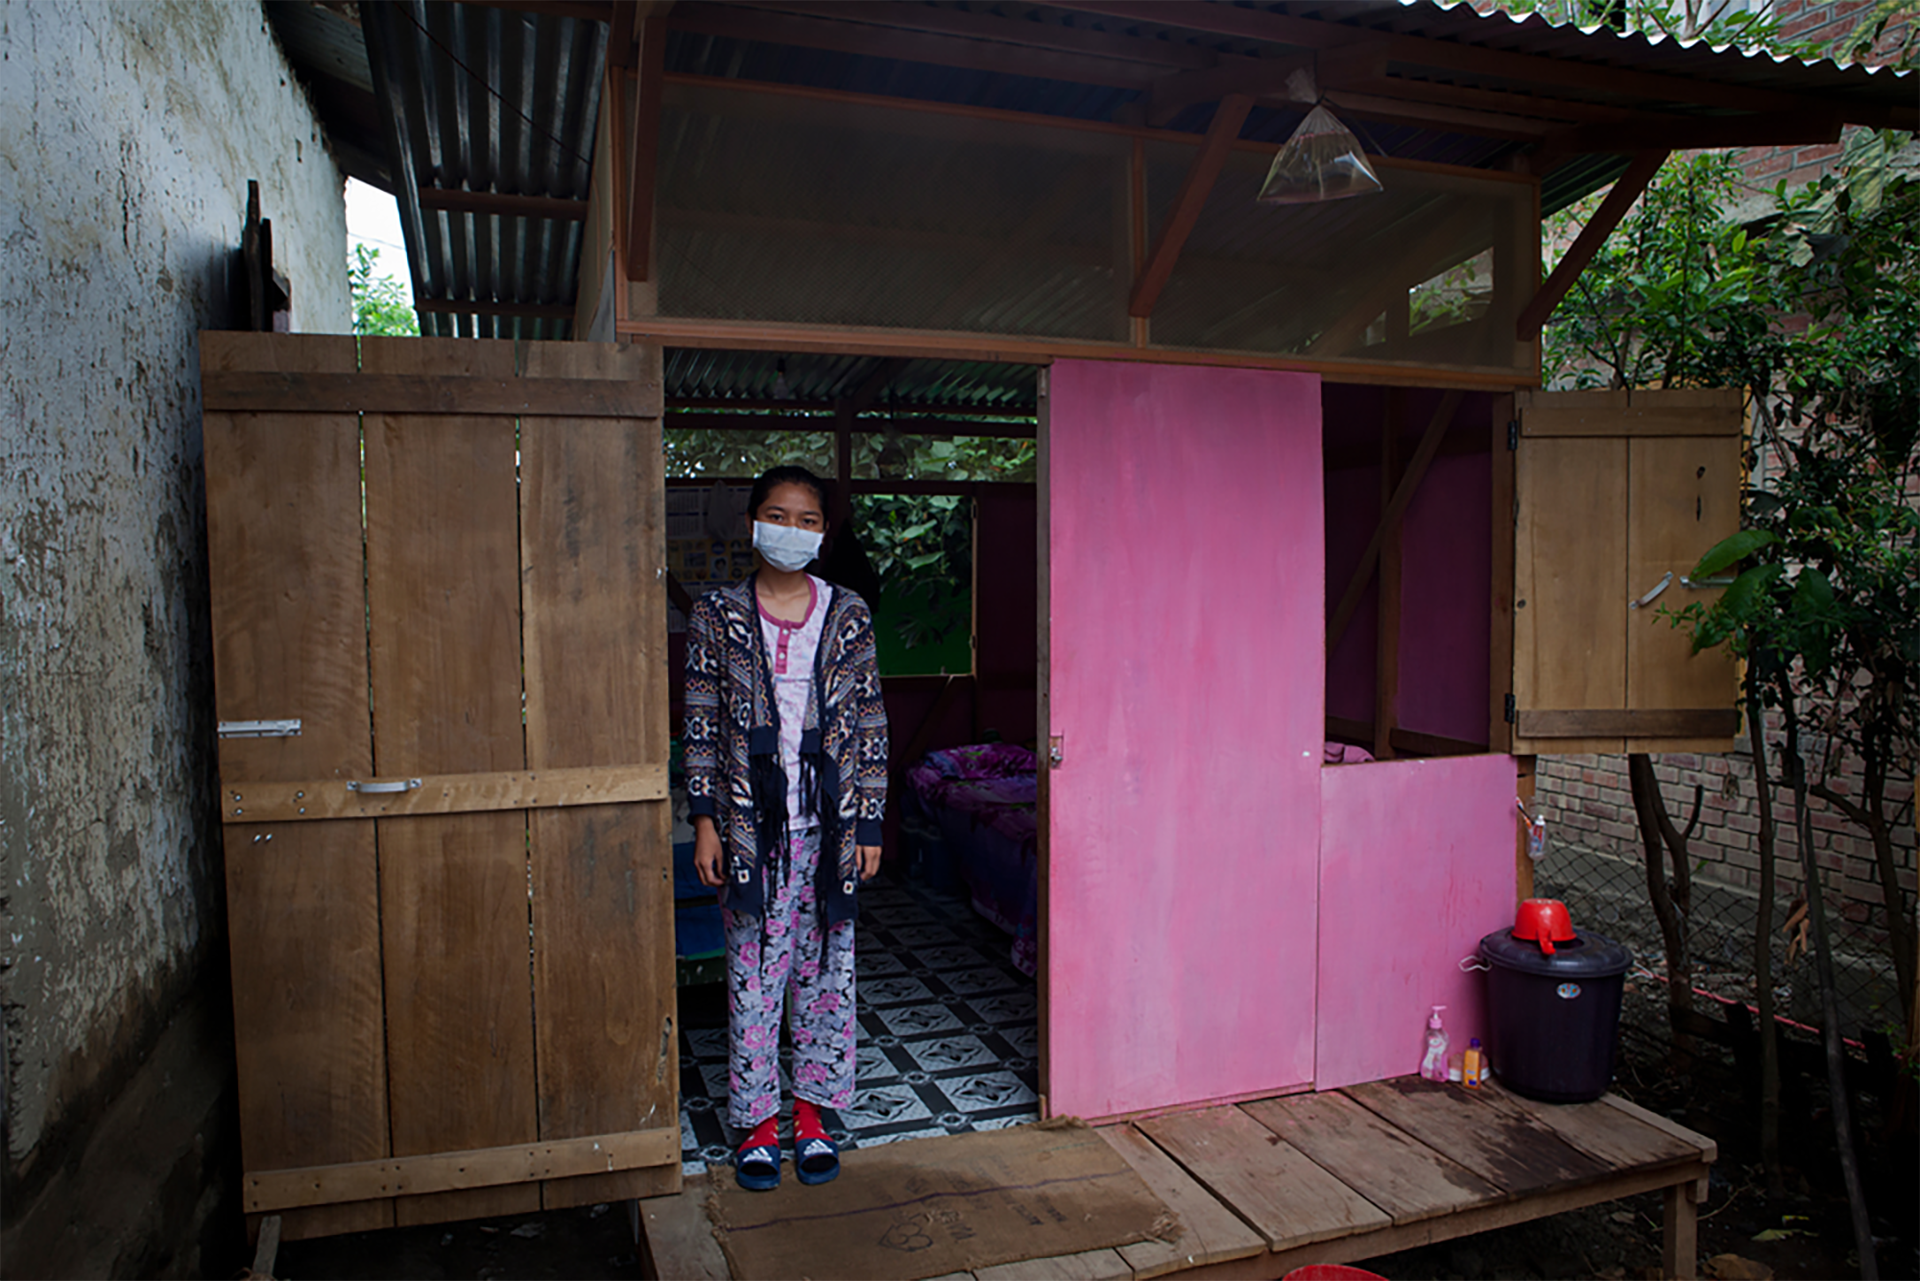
x=1824, y=21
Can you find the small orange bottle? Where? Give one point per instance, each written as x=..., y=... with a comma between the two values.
x=1473, y=1068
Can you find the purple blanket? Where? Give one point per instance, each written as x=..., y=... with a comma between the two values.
x=983, y=799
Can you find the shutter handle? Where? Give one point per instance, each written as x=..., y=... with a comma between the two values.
x=397, y=785
x=1657, y=588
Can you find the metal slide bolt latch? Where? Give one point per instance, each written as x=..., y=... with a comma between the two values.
x=1056, y=750
x=1657, y=588
x=397, y=785
x=1704, y=584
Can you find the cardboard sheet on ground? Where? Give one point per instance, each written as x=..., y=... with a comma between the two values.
x=928, y=1207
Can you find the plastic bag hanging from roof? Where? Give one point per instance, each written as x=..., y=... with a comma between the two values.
x=1322, y=160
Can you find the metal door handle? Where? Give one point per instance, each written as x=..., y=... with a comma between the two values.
x=397, y=785
x=1657, y=588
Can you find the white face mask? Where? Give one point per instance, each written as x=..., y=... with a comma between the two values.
x=786, y=547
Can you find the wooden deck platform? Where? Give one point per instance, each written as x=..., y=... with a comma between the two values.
x=1262, y=1188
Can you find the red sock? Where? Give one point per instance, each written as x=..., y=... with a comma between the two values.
x=806, y=1121
x=766, y=1134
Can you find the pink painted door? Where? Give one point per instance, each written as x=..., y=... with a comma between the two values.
x=1182, y=668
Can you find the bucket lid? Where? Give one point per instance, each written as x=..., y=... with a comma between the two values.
x=1587, y=956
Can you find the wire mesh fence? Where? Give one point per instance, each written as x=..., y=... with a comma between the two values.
x=1605, y=887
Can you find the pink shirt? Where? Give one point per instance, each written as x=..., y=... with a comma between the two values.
x=791, y=648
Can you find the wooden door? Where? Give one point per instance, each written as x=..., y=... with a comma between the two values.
x=1618, y=495
x=1183, y=685
x=439, y=648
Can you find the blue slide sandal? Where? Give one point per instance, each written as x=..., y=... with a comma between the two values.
x=817, y=1160
x=757, y=1169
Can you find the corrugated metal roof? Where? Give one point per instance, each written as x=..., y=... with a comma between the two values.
x=986, y=387
x=496, y=100
x=499, y=102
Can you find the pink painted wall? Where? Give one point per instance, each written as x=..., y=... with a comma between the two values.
x=1186, y=650
x=1416, y=865
x=1446, y=576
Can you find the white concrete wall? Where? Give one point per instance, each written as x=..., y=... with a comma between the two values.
x=128, y=131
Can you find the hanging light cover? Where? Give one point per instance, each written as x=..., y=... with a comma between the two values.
x=1322, y=160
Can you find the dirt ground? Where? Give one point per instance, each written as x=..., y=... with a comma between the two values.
x=1806, y=1233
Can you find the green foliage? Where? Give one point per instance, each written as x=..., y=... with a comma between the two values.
x=743, y=453
x=921, y=546
x=1678, y=295
x=1716, y=21
x=379, y=302
x=898, y=454
x=1816, y=313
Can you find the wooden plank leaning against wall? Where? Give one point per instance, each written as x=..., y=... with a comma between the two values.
x=455, y=998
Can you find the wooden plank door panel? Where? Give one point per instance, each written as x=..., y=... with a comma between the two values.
x=1185, y=599
x=444, y=642
x=1683, y=496
x=371, y=578
x=592, y=523
x=303, y=921
x=1570, y=583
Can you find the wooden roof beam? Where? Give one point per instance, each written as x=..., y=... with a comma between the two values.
x=1642, y=133
x=879, y=42
x=1266, y=77
x=979, y=26
x=1499, y=102
x=1627, y=190
x=504, y=204
x=582, y=10
x=1396, y=111
x=1198, y=184
x=638, y=144
x=1422, y=51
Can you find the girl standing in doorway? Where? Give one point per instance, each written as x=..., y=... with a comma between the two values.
x=786, y=761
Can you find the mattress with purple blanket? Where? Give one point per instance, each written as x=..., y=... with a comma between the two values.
x=982, y=800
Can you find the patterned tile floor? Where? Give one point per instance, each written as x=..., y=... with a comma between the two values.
x=948, y=1038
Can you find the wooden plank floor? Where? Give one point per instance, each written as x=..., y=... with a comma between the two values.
x=1265, y=1187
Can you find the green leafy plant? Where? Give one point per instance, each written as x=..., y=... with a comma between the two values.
x=1814, y=310
x=380, y=305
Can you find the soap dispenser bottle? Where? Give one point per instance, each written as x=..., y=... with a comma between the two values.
x=1434, y=1066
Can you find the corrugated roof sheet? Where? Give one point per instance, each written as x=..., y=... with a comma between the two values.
x=497, y=101
x=486, y=99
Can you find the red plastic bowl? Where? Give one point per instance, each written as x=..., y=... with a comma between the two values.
x=1332, y=1272
x=1543, y=921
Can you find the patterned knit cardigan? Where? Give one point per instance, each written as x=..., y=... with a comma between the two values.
x=729, y=705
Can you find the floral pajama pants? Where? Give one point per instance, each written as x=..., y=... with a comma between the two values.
x=784, y=967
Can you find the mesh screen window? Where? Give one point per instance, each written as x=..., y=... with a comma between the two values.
x=1432, y=270
x=775, y=208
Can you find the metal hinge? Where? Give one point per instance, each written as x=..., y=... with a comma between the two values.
x=1513, y=713
x=1513, y=434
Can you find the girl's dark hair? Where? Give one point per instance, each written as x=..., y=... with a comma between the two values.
x=778, y=476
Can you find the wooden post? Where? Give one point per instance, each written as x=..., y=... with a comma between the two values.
x=1206, y=167
x=1679, y=1230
